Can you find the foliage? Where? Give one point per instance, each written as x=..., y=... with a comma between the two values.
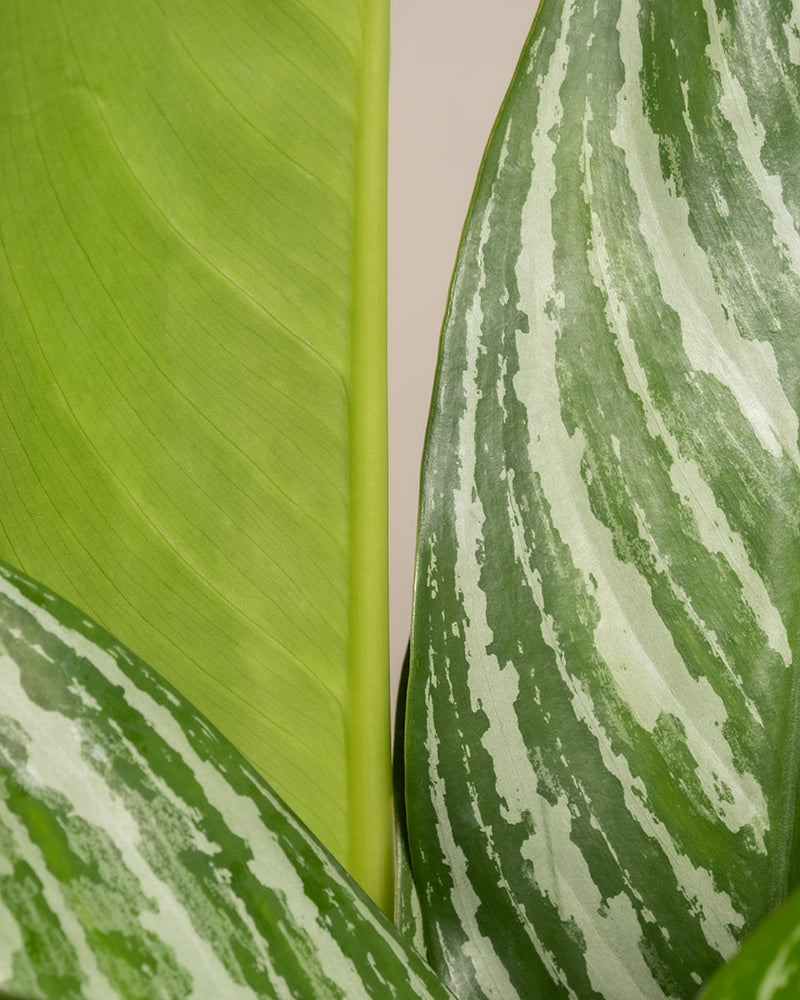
x=602, y=739
x=599, y=756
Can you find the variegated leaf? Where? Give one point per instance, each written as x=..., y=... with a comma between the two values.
x=602, y=732
x=142, y=856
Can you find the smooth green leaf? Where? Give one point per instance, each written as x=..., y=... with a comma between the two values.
x=602, y=728
x=142, y=856
x=192, y=426
x=768, y=965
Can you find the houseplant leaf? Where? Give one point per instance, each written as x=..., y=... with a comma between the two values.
x=602, y=727
x=193, y=425
x=141, y=855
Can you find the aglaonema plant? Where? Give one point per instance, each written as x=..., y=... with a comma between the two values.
x=597, y=766
x=602, y=733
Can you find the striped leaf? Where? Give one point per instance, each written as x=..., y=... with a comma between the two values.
x=142, y=856
x=192, y=428
x=602, y=730
x=768, y=965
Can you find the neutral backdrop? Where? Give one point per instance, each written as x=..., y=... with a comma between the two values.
x=452, y=61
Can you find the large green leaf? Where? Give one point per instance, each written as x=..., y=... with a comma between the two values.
x=602, y=729
x=192, y=426
x=142, y=856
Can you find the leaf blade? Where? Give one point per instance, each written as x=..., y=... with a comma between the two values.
x=179, y=222
x=601, y=752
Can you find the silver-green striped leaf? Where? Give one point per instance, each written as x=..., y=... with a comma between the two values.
x=602, y=739
x=142, y=856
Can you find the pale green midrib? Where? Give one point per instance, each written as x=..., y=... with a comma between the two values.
x=366, y=712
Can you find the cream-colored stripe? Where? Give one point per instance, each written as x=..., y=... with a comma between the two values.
x=630, y=636
x=491, y=975
x=716, y=910
x=610, y=926
x=687, y=481
x=494, y=686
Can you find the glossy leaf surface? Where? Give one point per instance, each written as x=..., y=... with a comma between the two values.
x=602, y=730
x=141, y=855
x=192, y=429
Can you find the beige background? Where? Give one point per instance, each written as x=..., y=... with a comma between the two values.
x=452, y=61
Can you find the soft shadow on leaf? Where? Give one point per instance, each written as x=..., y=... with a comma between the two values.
x=407, y=914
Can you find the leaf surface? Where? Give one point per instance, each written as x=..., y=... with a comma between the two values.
x=602, y=728
x=141, y=855
x=192, y=426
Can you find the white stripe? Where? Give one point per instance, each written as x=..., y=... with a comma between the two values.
x=558, y=865
x=630, y=636
x=490, y=973
x=484, y=672
x=610, y=927
x=623, y=597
